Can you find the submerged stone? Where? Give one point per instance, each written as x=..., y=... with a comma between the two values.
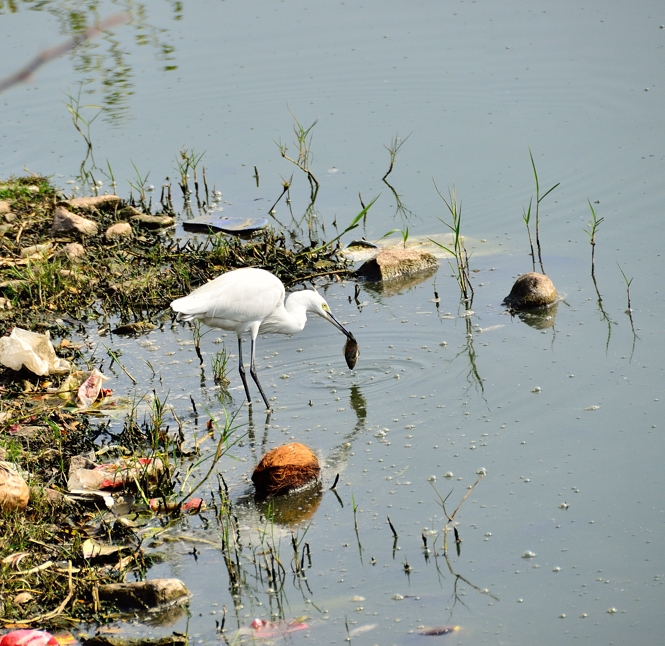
x=153, y=221
x=118, y=640
x=144, y=594
x=531, y=290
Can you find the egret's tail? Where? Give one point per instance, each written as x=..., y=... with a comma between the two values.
x=183, y=307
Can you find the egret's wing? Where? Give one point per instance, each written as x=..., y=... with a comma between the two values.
x=237, y=297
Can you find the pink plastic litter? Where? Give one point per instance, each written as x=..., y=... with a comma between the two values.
x=28, y=637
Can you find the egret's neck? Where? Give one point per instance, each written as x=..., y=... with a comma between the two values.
x=290, y=318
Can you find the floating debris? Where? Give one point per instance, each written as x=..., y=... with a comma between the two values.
x=190, y=507
x=362, y=629
x=441, y=630
x=362, y=243
x=264, y=629
x=235, y=226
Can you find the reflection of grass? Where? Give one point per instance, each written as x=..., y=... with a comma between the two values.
x=451, y=517
x=472, y=376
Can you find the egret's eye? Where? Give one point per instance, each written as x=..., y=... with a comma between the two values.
x=325, y=307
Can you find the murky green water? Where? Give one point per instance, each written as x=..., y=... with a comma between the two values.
x=566, y=420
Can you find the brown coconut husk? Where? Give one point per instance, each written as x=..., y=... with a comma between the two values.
x=14, y=492
x=284, y=469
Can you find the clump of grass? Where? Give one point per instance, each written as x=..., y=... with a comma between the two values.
x=591, y=232
x=304, y=157
x=458, y=250
x=219, y=368
x=51, y=531
x=629, y=309
x=403, y=232
x=526, y=215
x=186, y=161
x=140, y=185
x=84, y=127
x=393, y=149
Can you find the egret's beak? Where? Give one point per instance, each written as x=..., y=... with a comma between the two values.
x=339, y=326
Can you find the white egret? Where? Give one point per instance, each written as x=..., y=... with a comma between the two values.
x=252, y=300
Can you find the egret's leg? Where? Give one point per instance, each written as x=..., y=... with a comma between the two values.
x=255, y=377
x=241, y=369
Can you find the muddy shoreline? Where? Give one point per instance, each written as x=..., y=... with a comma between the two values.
x=68, y=266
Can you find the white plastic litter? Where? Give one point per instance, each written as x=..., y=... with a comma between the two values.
x=32, y=350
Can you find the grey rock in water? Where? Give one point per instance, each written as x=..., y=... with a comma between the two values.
x=145, y=594
x=153, y=221
x=395, y=262
x=531, y=290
